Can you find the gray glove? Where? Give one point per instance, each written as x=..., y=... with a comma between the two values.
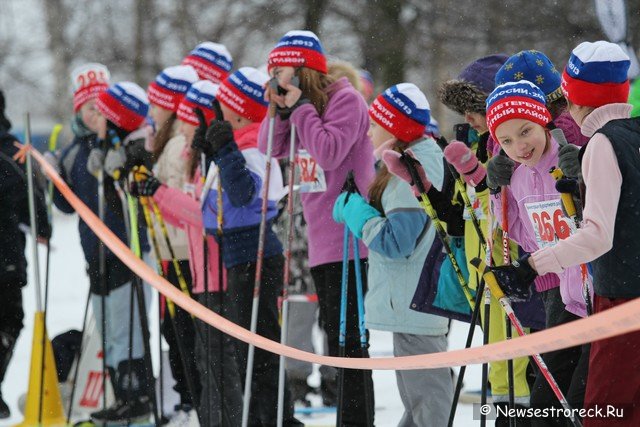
x=568, y=161
x=95, y=161
x=115, y=161
x=499, y=171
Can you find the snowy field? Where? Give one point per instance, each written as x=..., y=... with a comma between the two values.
x=67, y=297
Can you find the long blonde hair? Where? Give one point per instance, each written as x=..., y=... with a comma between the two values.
x=379, y=184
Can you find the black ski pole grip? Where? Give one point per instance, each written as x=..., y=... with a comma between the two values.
x=410, y=164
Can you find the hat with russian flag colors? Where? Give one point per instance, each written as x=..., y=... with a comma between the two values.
x=201, y=95
x=170, y=86
x=299, y=49
x=88, y=81
x=403, y=110
x=243, y=92
x=124, y=104
x=596, y=74
x=212, y=61
x=516, y=100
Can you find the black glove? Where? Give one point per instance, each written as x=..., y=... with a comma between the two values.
x=568, y=161
x=499, y=171
x=219, y=135
x=145, y=187
x=199, y=142
x=571, y=186
x=516, y=279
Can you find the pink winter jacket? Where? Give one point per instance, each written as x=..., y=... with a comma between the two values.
x=338, y=142
x=535, y=184
x=182, y=210
x=603, y=181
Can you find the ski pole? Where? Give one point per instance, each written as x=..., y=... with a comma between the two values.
x=53, y=141
x=570, y=208
x=506, y=258
x=410, y=164
x=142, y=311
x=342, y=336
x=504, y=301
x=287, y=273
x=364, y=344
x=258, y=278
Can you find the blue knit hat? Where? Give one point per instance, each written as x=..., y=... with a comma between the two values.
x=535, y=67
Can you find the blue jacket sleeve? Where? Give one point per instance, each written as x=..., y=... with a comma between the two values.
x=239, y=184
x=396, y=235
x=58, y=199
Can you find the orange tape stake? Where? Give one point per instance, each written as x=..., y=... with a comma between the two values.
x=616, y=321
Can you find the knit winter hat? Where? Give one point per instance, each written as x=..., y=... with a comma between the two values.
x=88, y=81
x=171, y=85
x=366, y=80
x=516, y=100
x=403, y=110
x=535, y=67
x=124, y=104
x=212, y=61
x=243, y=92
x=201, y=94
x=468, y=93
x=299, y=49
x=596, y=74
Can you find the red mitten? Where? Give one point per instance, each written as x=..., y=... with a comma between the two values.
x=466, y=163
x=392, y=159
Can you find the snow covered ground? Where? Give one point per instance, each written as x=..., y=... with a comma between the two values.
x=67, y=297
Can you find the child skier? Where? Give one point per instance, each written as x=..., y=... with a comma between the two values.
x=331, y=122
x=398, y=234
x=232, y=145
x=530, y=191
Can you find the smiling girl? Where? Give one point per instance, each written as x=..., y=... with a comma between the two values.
x=517, y=118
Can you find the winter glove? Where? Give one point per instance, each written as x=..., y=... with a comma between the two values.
x=568, y=161
x=391, y=158
x=499, y=171
x=516, y=279
x=199, y=142
x=353, y=210
x=52, y=159
x=570, y=186
x=144, y=185
x=115, y=161
x=466, y=163
x=95, y=161
x=219, y=135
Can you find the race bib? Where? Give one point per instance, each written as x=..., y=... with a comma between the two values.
x=312, y=178
x=475, y=204
x=549, y=222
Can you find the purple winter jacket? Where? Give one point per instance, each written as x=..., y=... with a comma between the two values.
x=535, y=184
x=338, y=142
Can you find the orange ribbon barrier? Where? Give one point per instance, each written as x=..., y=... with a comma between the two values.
x=616, y=321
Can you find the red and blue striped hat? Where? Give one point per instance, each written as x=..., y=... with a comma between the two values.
x=171, y=85
x=403, y=110
x=299, y=49
x=243, y=92
x=201, y=94
x=516, y=100
x=124, y=104
x=596, y=74
x=212, y=61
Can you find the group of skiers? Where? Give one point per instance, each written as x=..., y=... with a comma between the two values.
x=192, y=149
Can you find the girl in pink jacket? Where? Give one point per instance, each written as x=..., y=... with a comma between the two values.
x=517, y=118
x=331, y=122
